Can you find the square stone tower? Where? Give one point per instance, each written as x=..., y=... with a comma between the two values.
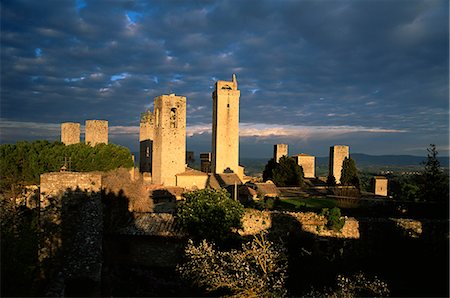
x=307, y=162
x=225, y=133
x=146, y=142
x=279, y=150
x=169, y=140
x=380, y=184
x=96, y=132
x=337, y=155
x=70, y=133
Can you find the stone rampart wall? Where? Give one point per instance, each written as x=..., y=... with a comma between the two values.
x=54, y=184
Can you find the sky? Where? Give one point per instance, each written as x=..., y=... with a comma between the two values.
x=373, y=75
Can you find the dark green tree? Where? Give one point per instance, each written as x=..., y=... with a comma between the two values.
x=268, y=169
x=331, y=181
x=24, y=162
x=284, y=173
x=435, y=184
x=210, y=214
x=288, y=173
x=349, y=173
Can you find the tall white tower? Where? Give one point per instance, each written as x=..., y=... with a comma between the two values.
x=225, y=133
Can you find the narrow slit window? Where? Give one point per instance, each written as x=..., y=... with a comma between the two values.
x=173, y=118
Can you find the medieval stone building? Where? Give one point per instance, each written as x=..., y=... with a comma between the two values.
x=70, y=133
x=225, y=130
x=146, y=142
x=96, y=132
x=279, y=150
x=169, y=140
x=380, y=185
x=307, y=162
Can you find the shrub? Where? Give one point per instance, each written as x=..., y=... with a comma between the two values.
x=210, y=214
x=356, y=285
x=270, y=203
x=257, y=269
x=333, y=217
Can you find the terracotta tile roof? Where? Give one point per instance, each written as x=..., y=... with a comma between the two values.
x=192, y=172
x=212, y=182
x=267, y=189
x=227, y=179
x=153, y=224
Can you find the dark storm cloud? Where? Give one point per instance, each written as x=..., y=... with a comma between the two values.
x=380, y=65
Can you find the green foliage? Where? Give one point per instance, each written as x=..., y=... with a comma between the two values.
x=210, y=214
x=435, y=183
x=349, y=173
x=271, y=203
x=333, y=217
x=331, y=180
x=24, y=162
x=258, y=269
x=404, y=187
x=284, y=173
x=268, y=169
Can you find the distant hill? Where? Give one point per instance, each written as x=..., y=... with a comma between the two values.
x=365, y=160
x=254, y=166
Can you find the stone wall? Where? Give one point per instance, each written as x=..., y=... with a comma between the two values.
x=225, y=132
x=70, y=133
x=337, y=155
x=56, y=183
x=96, y=132
x=71, y=228
x=192, y=180
x=279, y=150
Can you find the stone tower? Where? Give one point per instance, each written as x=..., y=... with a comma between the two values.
x=380, y=185
x=169, y=140
x=307, y=162
x=146, y=142
x=279, y=150
x=337, y=155
x=70, y=133
x=96, y=132
x=225, y=133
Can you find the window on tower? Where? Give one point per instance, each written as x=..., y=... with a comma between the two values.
x=173, y=118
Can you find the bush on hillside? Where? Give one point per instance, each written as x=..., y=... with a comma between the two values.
x=210, y=214
x=258, y=269
x=333, y=217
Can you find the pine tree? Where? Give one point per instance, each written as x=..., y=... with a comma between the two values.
x=349, y=173
x=434, y=186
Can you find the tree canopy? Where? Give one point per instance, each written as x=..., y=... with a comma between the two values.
x=284, y=173
x=434, y=185
x=210, y=214
x=24, y=162
x=349, y=173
